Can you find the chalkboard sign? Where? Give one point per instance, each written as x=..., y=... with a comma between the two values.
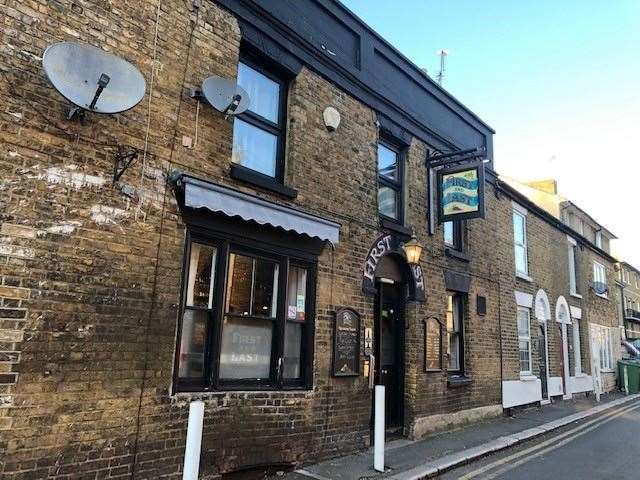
x=346, y=343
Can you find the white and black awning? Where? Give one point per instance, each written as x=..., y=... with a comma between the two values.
x=217, y=198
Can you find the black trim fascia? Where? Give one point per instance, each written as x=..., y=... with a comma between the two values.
x=251, y=14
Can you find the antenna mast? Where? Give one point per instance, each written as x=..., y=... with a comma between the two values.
x=443, y=57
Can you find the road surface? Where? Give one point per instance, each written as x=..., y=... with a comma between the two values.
x=605, y=447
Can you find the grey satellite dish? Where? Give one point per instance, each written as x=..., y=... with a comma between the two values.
x=600, y=288
x=224, y=95
x=92, y=79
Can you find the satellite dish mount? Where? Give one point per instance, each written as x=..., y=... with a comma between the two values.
x=124, y=159
x=103, y=81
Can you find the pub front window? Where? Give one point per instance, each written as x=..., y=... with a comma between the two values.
x=245, y=319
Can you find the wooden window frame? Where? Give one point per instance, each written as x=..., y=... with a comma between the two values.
x=526, y=338
x=278, y=129
x=458, y=299
x=458, y=235
x=210, y=380
x=524, y=243
x=396, y=185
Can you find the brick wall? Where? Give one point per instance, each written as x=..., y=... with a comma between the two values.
x=90, y=271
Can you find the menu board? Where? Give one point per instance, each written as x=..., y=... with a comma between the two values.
x=346, y=343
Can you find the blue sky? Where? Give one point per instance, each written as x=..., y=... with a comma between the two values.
x=559, y=81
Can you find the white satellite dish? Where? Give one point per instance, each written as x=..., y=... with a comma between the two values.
x=92, y=79
x=225, y=95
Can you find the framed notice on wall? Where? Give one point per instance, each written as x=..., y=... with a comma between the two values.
x=461, y=192
x=346, y=343
x=432, y=345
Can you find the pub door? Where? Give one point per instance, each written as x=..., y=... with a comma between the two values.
x=389, y=348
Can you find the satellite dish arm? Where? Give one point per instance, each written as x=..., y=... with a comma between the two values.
x=102, y=82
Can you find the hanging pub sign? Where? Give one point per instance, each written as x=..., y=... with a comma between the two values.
x=461, y=192
x=346, y=343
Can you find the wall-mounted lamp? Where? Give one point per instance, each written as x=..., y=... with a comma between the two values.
x=331, y=118
x=413, y=250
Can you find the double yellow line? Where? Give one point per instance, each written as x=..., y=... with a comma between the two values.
x=515, y=460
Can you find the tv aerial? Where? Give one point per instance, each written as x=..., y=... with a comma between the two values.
x=224, y=95
x=92, y=79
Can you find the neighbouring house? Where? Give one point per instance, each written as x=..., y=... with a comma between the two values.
x=569, y=255
x=628, y=298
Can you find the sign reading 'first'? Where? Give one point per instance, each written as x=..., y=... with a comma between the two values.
x=461, y=192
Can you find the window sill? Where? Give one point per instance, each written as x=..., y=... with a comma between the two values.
x=457, y=254
x=581, y=375
x=525, y=277
x=605, y=297
x=454, y=381
x=248, y=391
x=238, y=172
x=576, y=295
x=395, y=227
x=528, y=378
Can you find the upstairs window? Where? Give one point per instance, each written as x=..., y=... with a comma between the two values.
x=573, y=269
x=600, y=279
x=390, y=177
x=520, y=243
x=453, y=234
x=259, y=132
x=598, y=238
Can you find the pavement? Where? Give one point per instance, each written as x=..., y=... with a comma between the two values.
x=440, y=453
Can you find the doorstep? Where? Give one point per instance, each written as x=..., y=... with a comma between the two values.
x=417, y=460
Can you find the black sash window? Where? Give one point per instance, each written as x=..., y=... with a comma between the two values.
x=246, y=319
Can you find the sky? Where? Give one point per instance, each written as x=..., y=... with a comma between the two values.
x=559, y=81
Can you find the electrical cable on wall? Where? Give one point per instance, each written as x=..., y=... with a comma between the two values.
x=158, y=248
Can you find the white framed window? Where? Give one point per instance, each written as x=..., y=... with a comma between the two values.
x=598, y=239
x=524, y=339
x=600, y=278
x=604, y=347
x=520, y=242
x=573, y=271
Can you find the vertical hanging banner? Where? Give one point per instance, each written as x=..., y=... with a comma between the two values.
x=461, y=192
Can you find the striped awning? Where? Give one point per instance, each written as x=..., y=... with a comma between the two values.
x=217, y=198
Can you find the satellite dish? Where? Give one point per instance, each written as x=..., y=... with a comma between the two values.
x=92, y=79
x=600, y=288
x=225, y=96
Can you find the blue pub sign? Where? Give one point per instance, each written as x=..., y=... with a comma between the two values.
x=461, y=192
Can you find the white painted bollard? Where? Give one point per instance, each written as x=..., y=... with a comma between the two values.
x=194, y=441
x=378, y=430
